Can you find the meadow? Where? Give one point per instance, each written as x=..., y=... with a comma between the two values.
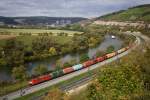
x=35, y=31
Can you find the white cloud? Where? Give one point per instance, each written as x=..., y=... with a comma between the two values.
x=83, y=8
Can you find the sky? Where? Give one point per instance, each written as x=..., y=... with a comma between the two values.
x=65, y=8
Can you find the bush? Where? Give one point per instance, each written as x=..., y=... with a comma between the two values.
x=110, y=49
x=84, y=57
x=39, y=70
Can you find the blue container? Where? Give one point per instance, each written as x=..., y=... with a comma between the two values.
x=77, y=67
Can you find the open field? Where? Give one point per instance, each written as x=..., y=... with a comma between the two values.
x=27, y=39
x=35, y=31
x=5, y=37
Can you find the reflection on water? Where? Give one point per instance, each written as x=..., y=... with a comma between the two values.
x=50, y=63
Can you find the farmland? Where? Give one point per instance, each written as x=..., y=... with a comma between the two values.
x=35, y=31
x=6, y=34
x=6, y=37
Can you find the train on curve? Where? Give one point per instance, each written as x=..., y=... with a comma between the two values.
x=74, y=68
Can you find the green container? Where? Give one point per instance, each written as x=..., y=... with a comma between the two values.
x=57, y=73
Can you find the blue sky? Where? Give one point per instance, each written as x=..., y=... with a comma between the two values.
x=65, y=8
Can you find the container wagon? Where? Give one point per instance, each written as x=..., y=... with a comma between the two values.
x=121, y=50
x=110, y=55
x=68, y=70
x=57, y=73
x=100, y=59
x=89, y=63
x=77, y=67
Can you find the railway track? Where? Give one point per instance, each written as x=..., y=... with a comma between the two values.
x=35, y=88
x=77, y=83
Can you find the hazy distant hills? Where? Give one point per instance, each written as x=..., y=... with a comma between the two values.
x=138, y=13
x=39, y=20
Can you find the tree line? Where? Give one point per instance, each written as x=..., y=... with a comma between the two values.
x=14, y=54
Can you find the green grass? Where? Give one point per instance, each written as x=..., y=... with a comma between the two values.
x=35, y=31
x=59, y=39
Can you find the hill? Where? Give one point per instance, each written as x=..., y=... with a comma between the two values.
x=138, y=13
x=39, y=20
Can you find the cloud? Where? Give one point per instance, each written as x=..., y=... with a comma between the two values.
x=72, y=8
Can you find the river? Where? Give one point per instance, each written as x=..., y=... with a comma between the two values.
x=50, y=62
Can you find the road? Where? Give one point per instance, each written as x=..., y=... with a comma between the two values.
x=38, y=87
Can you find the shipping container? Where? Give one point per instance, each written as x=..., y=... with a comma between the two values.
x=89, y=63
x=100, y=59
x=110, y=55
x=121, y=50
x=68, y=70
x=77, y=67
x=57, y=73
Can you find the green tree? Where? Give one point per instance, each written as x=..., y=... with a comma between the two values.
x=93, y=41
x=110, y=49
x=59, y=64
x=42, y=44
x=2, y=62
x=84, y=57
x=80, y=42
x=19, y=73
x=14, y=52
x=52, y=51
x=1, y=52
x=39, y=70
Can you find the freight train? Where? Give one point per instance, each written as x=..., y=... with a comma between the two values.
x=74, y=68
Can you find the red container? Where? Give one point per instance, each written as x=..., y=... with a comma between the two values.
x=88, y=63
x=100, y=59
x=111, y=55
x=68, y=70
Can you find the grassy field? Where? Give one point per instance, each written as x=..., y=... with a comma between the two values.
x=27, y=40
x=35, y=31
